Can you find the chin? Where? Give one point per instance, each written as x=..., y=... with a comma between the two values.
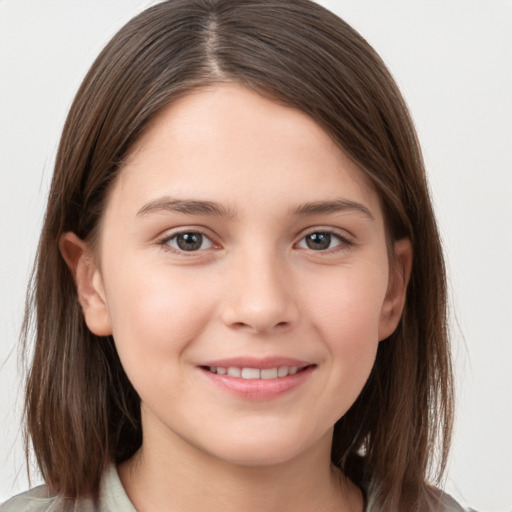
x=267, y=446
x=258, y=454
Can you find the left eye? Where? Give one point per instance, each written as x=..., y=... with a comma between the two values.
x=189, y=241
x=320, y=241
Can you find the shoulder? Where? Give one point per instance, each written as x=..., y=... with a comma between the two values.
x=431, y=499
x=112, y=498
x=38, y=499
x=446, y=503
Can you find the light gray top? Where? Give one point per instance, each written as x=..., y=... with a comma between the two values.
x=113, y=498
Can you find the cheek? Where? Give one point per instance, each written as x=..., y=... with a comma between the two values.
x=346, y=315
x=155, y=314
x=348, y=305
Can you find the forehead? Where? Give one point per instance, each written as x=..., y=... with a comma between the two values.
x=228, y=143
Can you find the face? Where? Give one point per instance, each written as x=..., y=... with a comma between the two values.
x=243, y=271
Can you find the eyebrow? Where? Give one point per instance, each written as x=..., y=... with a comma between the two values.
x=211, y=208
x=332, y=206
x=186, y=206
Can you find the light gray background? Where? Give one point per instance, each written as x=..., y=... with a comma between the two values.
x=453, y=61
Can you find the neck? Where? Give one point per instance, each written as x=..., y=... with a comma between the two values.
x=176, y=476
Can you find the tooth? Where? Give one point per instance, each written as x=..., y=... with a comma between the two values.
x=255, y=373
x=270, y=373
x=250, y=373
x=234, y=372
x=282, y=371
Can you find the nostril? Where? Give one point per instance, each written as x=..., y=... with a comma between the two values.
x=260, y=328
x=240, y=324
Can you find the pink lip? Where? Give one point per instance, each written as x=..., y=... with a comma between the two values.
x=258, y=389
x=255, y=362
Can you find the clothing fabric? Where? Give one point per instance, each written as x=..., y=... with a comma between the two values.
x=113, y=498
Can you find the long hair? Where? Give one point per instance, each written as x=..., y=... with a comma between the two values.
x=81, y=411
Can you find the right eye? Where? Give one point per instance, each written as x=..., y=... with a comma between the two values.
x=188, y=241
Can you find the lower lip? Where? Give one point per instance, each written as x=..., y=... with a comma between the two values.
x=259, y=389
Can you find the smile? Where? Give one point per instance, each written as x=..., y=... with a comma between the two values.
x=258, y=379
x=255, y=373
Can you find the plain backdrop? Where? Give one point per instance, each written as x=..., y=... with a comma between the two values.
x=453, y=62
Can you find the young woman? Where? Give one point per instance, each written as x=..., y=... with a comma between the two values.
x=239, y=294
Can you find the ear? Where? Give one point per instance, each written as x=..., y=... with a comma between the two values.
x=88, y=281
x=394, y=302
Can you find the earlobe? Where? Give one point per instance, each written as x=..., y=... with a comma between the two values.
x=394, y=302
x=88, y=281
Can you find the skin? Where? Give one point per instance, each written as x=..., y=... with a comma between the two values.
x=253, y=288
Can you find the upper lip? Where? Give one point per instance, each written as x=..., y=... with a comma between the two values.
x=255, y=362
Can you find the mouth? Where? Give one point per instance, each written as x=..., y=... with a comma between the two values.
x=256, y=379
x=250, y=373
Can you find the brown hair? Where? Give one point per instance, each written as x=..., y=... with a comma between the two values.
x=81, y=411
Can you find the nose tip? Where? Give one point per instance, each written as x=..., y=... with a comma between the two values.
x=261, y=302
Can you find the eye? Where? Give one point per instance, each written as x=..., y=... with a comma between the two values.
x=321, y=241
x=189, y=241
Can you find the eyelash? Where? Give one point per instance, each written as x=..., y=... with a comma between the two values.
x=343, y=244
x=165, y=242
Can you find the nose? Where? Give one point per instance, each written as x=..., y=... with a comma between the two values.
x=261, y=296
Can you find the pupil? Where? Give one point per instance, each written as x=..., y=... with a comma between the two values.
x=318, y=241
x=189, y=241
